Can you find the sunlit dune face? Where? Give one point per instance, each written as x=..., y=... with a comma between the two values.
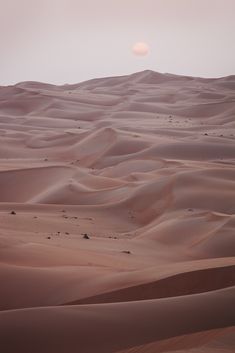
x=140, y=49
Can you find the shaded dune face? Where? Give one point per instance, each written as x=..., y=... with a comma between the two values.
x=117, y=216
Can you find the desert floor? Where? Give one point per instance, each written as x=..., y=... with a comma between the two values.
x=117, y=216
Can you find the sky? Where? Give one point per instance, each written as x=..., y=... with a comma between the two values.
x=69, y=41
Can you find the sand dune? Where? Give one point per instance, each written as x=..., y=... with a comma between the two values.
x=117, y=215
x=114, y=326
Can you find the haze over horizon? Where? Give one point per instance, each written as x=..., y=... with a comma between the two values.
x=60, y=41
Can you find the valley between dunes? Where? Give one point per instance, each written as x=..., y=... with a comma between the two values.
x=143, y=166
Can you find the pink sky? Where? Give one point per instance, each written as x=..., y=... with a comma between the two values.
x=67, y=41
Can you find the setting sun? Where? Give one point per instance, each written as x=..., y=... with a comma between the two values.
x=140, y=49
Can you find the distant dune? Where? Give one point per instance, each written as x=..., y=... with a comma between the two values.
x=117, y=215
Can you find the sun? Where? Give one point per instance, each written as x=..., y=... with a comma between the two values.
x=140, y=49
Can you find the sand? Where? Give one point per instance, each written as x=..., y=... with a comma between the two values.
x=117, y=216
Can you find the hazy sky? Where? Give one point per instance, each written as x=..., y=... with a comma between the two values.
x=67, y=41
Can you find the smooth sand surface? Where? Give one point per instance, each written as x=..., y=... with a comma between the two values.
x=143, y=167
